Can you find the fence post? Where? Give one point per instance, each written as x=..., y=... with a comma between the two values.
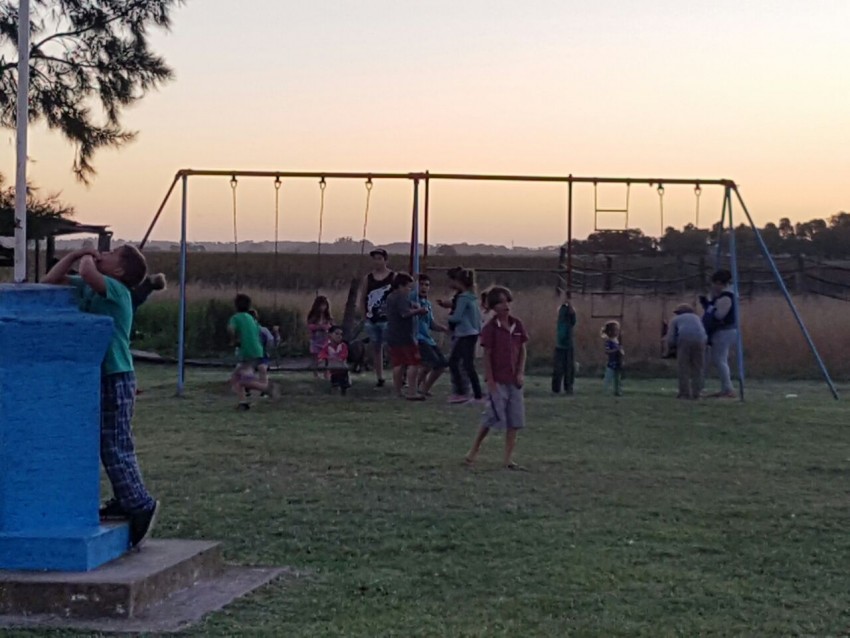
x=607, y=279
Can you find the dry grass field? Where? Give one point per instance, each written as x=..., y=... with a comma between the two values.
x=774, y=345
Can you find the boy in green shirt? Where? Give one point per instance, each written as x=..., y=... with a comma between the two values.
x=244, y=332
x=103, y=287
x=563, y=375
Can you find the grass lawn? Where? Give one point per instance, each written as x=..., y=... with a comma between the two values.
x=638, y=516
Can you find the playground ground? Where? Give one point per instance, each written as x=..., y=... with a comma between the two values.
x=643, y=516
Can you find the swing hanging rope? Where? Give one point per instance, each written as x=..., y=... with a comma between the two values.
x=366, y=216
x=322, y=186
x=276, y=235
x=233, y=184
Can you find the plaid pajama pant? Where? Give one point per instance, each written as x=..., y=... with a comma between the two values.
x=117, y=449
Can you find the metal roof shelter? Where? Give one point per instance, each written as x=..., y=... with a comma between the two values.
x=49, y=229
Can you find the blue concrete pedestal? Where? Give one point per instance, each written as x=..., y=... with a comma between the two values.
x=50, y=357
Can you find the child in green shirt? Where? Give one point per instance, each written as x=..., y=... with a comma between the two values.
x=103, y=286
x=244, y=332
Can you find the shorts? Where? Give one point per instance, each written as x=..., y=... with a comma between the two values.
x=405, y=355
x=377, y=333
x=245, y=369
x=505, y=408
x=431, y=357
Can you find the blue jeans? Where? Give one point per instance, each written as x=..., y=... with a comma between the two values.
x=721, y=343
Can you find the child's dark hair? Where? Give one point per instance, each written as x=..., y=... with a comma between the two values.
x=453, y=272
x=334, y=328
x=134, y=265
x=609, y=327
x=722, y=277
x=484, y=301
x=494, y=296
x=466, y=278
x=424, y=279
x=242, y=303
x=401, y=279
x=317, y=313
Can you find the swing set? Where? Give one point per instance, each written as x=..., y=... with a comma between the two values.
x=726, y=231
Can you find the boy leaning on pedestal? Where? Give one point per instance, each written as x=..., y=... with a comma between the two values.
x=103, y=288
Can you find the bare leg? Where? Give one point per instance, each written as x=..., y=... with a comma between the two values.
x=476, y=445
x=378, y=354
x=412, y=376
x=422, y=378
x=435, y=374
x=510, y=444
x=398, y=379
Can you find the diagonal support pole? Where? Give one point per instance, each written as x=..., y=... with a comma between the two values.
x=787, y=295
x=733, y=259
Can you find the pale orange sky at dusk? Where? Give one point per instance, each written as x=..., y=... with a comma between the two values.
x=755, y=91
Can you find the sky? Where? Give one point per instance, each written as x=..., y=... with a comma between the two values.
x=755, y=91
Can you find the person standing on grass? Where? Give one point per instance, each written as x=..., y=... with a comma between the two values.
x=401, y=336
x=564, y=373
x=614, y=352
x=686, y=338
x=244, y=332
x=334, y=357
x=103, y=288
x=434, y=362
x=319, y=322
x=720, y=324
x=504, y=339
x=374, y=291
x=465, y=322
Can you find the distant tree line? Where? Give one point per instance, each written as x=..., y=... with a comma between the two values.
x=824, y=238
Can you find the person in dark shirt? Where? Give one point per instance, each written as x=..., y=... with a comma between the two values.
x=402, y=328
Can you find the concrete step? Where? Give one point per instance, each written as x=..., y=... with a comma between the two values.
x=123, y=588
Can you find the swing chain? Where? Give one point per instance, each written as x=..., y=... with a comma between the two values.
x=322, y=185
x=661, y=205
x=697, y=193
x=277, y=184
x=233, y=184
x=366, y=216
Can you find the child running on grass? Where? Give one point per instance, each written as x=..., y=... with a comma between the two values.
x=334, y=357
x=401, y=336
x=244, y=332
x=465, y=322
x=504, y=339
x=103, y=287
x=614, y=351
x=319, y=322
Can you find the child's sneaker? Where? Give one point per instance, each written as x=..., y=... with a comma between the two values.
x=112, y=511
x=243, y=407
x=457, y=399
x=142, y=524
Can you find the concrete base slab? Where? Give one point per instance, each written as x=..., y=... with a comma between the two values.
x=120, y=589
x=176, y=613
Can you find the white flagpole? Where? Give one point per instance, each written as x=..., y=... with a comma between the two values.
x=22, y=117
